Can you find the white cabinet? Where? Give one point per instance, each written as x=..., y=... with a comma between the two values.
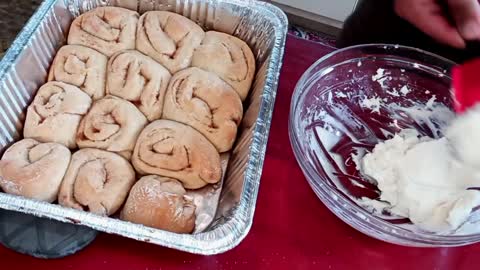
x=335, y=11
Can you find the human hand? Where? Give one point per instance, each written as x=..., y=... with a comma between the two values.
x=430, y=17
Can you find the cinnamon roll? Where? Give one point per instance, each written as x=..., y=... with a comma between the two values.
x=168, y=38
x=34, y=170
x=82, y=67
x=205, y=102
x=105, y=29
x=55, y=113
x=228, y=57
x=139, y=79
x=96, y=181
x=112, y=124
x=161, y=203
x=175, y=150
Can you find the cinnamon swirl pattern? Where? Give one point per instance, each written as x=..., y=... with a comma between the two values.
x=168, y=38
x=161, y=203
x=172, y=149
x=96, y=181
x=205, y=102
x=82, y=67
x=105, y=29
x=55, y=113
x=112, y=124
x=34, y=170
x=228, y=57
x=140, y=80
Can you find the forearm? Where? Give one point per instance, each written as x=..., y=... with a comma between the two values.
x=375, y=21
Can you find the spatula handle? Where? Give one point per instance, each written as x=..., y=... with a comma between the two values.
x=473, y=47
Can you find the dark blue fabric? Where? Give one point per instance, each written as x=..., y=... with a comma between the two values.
x=42, y=237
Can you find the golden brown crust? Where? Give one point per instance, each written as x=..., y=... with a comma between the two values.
x=228, y=57
x=168, y=38
x=139, y=79
x=205, y=102
x=112, y=124
x=55, y=113
x=105, y=29
x=33, y=169
x=96, y=180
x=172, y=149
x=82, y=67
x=161, y=203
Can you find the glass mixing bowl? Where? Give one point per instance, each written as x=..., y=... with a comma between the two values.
x=350, y=100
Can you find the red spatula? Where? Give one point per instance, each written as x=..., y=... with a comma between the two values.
x=466, y=85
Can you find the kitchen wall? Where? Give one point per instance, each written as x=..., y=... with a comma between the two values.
x=321, y=15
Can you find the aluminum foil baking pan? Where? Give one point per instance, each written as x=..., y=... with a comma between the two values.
x=263, y=26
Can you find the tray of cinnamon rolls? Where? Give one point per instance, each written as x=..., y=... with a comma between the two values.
x=146, y=119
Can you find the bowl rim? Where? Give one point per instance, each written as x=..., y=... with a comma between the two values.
x=380, y=229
